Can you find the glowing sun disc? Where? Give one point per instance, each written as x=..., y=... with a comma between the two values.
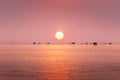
x=59, y=35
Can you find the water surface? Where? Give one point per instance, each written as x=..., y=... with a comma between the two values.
x=59, y=62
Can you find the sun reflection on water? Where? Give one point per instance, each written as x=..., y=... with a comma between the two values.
x=56, y=64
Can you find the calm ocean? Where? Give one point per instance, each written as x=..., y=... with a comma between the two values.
x=59, y=62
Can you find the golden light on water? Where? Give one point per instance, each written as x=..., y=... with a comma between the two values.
x=59, y=35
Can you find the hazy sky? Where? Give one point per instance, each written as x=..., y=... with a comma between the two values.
x=25, y=21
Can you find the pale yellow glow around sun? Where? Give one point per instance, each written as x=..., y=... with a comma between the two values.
x=59, y=35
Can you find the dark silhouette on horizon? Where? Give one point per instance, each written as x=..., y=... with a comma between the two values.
x=34, y=42
x=48, y=43
x=95, y=43
x=73, y=43
x=86, y=43
x=110, y=43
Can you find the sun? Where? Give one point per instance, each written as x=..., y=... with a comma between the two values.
x=59, y=35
